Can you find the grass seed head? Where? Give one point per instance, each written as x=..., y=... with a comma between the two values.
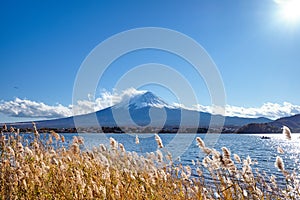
x=4, y=127
x=237, y=158
x=279, y=163
x=200, y=142
x=287, y=132
x=137, y=141
x=280, y=150
x=62, y=138
x=226, y=153
x=113, y=143
x=102, y=147
x=159, y=155
x=159, y=141
x=55, y=135
x=122, y=148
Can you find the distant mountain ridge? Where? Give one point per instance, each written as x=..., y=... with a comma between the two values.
x=144, y=109
x=293, y=122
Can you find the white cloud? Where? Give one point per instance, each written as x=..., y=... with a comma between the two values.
x=105, y=100
x=269, y=110
x=23, y=108
x=33, y=109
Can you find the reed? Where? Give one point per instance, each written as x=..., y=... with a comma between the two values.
x=159, y=141
x=40, y=170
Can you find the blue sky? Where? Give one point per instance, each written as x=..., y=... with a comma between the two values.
x=43, y=44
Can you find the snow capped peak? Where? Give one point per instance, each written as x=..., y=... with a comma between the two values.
x=141, y=100
x=147, y=99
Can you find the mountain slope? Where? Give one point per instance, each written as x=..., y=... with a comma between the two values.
x=145, y=109
x=293, y=122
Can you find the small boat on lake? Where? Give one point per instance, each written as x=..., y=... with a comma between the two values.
x=265, y=137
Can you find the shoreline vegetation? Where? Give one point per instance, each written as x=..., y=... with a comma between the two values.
x=116, y=129
x=46, y=169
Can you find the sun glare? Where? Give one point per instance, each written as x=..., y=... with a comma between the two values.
x=290, y=10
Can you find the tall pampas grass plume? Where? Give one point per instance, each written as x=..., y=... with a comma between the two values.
x=279, y=163
x=287, y=132
x=200, y=142
x=137, y=141
x=280, y=150
x=158, y=141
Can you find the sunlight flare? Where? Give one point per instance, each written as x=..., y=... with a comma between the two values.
x=289, y=10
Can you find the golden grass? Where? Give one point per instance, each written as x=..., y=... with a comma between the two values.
x=40, y=171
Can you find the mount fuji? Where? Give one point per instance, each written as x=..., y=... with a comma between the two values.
x=143, y=109
x=146, y=99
